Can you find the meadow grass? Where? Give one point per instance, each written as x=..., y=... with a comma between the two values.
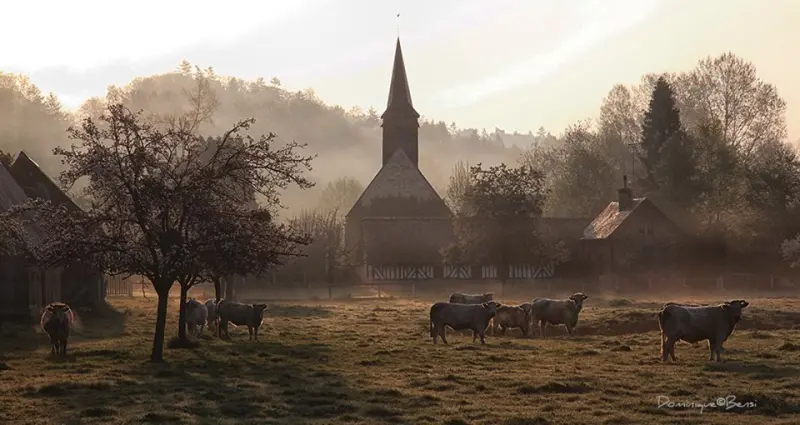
x=373, y=361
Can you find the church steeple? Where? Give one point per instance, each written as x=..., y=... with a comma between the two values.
x=400, y=125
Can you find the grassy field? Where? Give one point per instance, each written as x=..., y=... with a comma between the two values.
x=372, y=361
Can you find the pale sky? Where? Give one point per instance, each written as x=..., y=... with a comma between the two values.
x=512, y=64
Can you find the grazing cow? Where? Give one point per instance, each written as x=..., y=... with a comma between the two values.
x=196, y=316
x=474, y=317
x=459, y=298
x=695, y=324
x=694, y=344
x=240, y=314
x=512, y=317
x=211, y=306
x=545, y=311
x=57, y=320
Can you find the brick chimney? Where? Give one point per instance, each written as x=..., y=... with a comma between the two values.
x=625, y=195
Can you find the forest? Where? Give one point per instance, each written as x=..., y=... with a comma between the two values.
x=709, y=145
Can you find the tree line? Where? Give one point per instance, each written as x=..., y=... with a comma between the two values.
x=708, y=145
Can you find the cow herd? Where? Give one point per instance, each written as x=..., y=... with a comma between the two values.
x=218, y=315
x=477, y=312
x=678, y=322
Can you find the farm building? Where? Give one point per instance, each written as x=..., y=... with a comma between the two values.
x=26, y=288
x=398, y=225
x=630, y=233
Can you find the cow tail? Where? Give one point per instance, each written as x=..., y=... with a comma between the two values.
x=430, y=323
x=663, y=315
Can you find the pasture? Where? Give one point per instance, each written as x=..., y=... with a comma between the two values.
x=373, y=361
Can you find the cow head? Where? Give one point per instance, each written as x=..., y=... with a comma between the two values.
x=491, y=307
x=258, y=310
x=578, y=299
x=734, y=309
x=60, y=312
x=528, y=309
x=488, y=296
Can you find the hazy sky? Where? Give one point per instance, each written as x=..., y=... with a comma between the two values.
x=514, y=64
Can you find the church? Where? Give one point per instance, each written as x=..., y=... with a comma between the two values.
x=399, y=224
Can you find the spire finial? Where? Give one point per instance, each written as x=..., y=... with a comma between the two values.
x=398, y=25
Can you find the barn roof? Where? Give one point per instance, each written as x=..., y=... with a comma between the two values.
x=402, y=186
x=609, y=220
x=37, y=184
x=11, y=194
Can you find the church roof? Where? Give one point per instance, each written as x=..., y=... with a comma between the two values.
x=399, y=189
x=399, y=91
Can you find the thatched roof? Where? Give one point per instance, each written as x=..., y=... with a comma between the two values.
x=37, y=184
x=609, y=220
x=399, y=190
x=405, y=240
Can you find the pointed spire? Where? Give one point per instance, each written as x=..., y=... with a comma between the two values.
x=399, y=92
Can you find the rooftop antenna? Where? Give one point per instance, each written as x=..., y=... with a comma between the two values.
x=398, y=25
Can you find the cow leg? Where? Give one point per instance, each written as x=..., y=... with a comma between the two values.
x=668, y=349
x=474, y=336
x=542, y=325
x=53, y=345
x=200, y=333
x=64, y=347
x=250, y=331
x=442, y=333
x=672, y=350
x=482, y=340
x=255, y=333
x=569, y=329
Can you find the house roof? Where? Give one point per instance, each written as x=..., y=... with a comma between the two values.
x=609, y=220
x=402, y=186
x=37, y=184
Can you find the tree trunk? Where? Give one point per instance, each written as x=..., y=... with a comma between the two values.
x=162, y=289
x=182, y=313
x=218, y=288
x=229, y=290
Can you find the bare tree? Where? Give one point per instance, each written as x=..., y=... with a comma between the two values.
x=151, y=191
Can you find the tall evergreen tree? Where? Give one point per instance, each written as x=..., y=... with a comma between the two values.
x=667, y=149
x=661, y=121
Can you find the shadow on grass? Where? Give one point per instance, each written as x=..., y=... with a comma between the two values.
x=265, y=382
x=295, y=311
x=755, y=370
x=20, y=337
